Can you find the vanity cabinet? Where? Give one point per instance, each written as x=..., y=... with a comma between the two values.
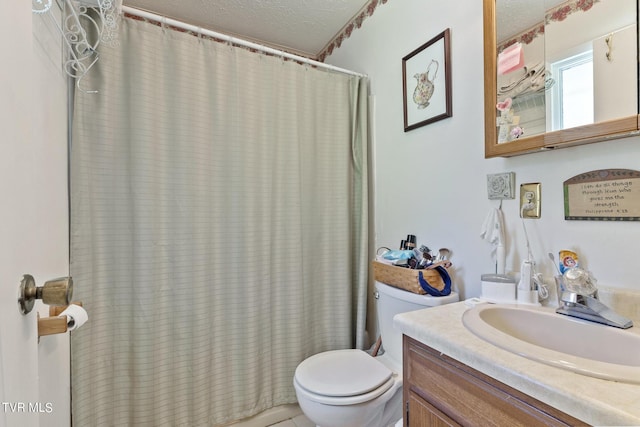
x=440, y=391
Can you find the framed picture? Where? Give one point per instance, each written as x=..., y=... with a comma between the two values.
x=426, y=83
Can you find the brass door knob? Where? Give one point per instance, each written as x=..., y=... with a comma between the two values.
x=54, y=292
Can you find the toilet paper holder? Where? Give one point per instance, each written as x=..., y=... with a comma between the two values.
x=55, y=324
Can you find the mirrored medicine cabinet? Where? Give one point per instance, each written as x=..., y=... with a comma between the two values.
x=559, y=73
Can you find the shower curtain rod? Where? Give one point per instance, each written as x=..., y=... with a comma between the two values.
x=199, y=30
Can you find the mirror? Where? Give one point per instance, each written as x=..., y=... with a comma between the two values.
x=521, y=72
x=559, y=73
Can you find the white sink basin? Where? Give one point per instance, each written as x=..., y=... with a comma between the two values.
x=538, y=333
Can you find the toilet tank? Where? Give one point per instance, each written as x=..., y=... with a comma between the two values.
x=392, y=301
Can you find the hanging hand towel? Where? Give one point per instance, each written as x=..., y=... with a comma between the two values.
x=493, y=233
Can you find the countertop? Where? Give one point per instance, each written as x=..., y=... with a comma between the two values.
x=592, y=400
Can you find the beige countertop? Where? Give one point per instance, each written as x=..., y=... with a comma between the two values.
x=592, y=400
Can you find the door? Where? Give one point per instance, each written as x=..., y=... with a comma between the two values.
x=33, y=217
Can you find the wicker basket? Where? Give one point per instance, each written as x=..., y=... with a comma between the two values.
x=406, y=278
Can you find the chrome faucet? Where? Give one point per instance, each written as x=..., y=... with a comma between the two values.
x=588, y=307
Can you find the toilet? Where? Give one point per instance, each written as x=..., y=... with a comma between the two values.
x=349, y=388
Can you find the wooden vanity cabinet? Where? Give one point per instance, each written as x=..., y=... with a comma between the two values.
x=440, y=391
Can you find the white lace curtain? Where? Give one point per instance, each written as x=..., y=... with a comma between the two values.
x=218, y=228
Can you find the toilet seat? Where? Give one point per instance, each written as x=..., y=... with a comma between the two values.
x=343, y=377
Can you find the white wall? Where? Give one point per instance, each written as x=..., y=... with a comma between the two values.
x=568, y=37
x=432, y=181
x=33, y=217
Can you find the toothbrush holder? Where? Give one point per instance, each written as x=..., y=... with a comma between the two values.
x=560, y=288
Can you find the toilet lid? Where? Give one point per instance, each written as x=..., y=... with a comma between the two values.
x=342, y=373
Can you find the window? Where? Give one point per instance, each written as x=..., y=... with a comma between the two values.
x=572, y=93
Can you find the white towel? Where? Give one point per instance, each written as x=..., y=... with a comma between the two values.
x=493, y=233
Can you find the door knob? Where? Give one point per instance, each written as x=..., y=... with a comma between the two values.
x=54, y=292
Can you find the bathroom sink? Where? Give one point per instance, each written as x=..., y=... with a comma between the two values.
x=540, y=334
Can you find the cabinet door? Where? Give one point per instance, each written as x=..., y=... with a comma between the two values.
x=425, y=415
x=451, y=392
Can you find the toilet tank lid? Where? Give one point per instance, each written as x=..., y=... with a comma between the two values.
x=424, y=300
x=341, y=373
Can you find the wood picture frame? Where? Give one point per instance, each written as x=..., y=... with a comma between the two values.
x=426, y=82
x=603, y=195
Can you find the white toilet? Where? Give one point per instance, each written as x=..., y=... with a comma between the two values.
x=349, y=388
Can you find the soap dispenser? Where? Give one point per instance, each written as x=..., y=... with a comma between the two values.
x=527, y=292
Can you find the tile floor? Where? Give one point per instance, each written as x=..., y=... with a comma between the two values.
x=299, y=421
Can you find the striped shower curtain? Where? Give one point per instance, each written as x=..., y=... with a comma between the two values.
x=218, y=228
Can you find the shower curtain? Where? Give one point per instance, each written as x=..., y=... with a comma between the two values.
x=218, y=228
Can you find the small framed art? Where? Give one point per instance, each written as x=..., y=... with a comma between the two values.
x=426, y=82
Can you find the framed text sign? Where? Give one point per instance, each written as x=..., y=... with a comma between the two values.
x=603, y=195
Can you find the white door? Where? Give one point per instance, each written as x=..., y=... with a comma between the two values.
x=33, y=217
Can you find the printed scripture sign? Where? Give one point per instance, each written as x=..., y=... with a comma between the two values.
x=603, y=195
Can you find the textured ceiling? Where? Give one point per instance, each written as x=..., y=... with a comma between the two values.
x=515, y=16
x=303, y=27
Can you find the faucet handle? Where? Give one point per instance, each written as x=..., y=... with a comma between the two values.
x=570, y=298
